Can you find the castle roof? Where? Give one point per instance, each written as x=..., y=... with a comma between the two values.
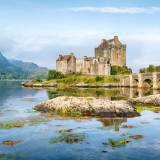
x=64, y=57
x=106, y=43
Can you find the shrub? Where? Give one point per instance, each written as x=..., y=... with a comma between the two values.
x=53, y=74
x=117, y=70
x=150, y=69
x=37, y=79
x=98, y=78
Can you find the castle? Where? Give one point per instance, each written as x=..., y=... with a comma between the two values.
x=109, y=53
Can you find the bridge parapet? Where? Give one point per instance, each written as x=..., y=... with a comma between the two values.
x=140, y=80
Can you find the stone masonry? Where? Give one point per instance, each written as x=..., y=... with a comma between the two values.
x=109, y=53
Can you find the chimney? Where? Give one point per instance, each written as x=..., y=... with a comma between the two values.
x=103, y=40
x=116, y=39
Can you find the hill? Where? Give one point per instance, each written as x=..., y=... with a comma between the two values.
x=16, y=69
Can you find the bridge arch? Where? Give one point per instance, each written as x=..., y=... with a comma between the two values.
x=142, y=80
x=147, y=83
x=135, y=82
x=158, y=83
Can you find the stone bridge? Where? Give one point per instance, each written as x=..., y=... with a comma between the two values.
x=141, y=80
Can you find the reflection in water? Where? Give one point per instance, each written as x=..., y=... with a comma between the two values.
x=11, y=89
x=110, y=93
x=113, y=122
x=36, y=130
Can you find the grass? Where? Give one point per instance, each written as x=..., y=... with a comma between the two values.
x=30, y=121
x=11, y=124
x=141, y=108
x=72, y=79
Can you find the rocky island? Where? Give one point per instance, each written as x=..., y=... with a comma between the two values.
x=88, y=106
x=91, y=106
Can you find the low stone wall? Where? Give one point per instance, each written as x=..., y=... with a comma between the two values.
x=88, y=106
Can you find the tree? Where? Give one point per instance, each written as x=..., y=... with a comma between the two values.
x=150, y=69
x=53, y=74
x=117, y=70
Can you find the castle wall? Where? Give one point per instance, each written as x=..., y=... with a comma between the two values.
x=86, y=65
x=92, y=66
x=79, y=65
x=108, y=53
x=71, y=65
x=101, y=69
x=123, y=57
x=66, y=65
x=62, y=66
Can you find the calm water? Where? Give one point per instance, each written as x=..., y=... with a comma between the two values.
x=34, y=139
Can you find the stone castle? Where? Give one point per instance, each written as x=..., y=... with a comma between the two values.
x=109, y=53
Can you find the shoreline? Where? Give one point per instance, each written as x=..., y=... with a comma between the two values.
x=55, y=85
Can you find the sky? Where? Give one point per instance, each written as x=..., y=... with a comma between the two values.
x=39, y=30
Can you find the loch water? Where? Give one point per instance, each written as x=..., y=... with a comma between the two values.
x=37, y=136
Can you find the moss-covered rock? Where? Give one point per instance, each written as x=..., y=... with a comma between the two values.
x=128, y=126
x=68, y=138
x=141, y=108
x=117, y=143
x=136, y=137
x=11, y=142
x=30, y=121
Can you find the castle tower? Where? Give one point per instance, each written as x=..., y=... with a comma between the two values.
x=113, y=50
x=66, y=63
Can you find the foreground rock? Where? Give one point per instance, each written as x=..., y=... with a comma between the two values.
x=88, y=106
x=148, y=100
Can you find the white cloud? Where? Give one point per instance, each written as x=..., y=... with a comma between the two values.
x=43, y=46
x=115, y=10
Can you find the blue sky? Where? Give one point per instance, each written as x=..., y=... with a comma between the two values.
x=40, y=30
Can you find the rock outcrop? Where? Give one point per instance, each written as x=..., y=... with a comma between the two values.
x=148, y=100
x=88, y=106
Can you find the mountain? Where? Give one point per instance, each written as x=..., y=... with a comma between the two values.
x=16, y=69
x=3, y=61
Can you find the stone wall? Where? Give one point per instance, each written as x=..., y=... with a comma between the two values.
x=62, y=66
x=66, y=64
x=79, y=65
x=92, y=66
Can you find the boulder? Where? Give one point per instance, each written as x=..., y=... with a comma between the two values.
x=88, y=106
x=148, y=100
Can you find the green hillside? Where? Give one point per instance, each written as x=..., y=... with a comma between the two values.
x=15, y=69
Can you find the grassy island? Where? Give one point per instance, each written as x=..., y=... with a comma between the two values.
x=68, y=80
